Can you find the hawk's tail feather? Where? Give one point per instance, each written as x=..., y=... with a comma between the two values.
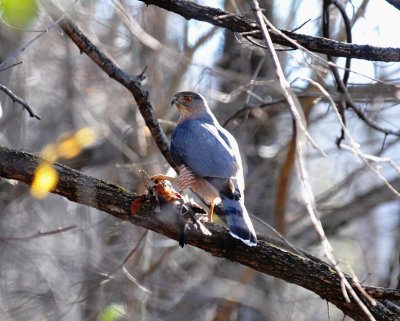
x=238, y=220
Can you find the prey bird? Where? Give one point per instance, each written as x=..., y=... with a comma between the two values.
x=210, y=163
x=160, y=190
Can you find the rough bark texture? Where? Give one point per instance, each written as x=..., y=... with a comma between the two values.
x=132, y=83
x=307, y=272
x=241, y=24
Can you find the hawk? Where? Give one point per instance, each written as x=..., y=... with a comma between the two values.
x=210, y=163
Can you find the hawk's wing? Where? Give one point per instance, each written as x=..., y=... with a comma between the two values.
x=205, y=150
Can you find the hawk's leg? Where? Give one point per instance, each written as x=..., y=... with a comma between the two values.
x=210, y=214
x=188, y=179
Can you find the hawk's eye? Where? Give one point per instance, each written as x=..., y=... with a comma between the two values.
x=188, y=99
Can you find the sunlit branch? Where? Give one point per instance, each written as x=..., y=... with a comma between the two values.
x=340, y=83
x=240, y=24
x=312, y=274
x=300, y=135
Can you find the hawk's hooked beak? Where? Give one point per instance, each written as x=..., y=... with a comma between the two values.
x=173, y=101
x=179, y=105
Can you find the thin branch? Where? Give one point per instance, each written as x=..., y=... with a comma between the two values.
x=341, y=87
x=133, y=84
x=11, y=66
x=335, y=218
x=37, y=235
x=354, y=146
x=370, y=122
x=7, y=61
x=347, y=24
x=239, y=23
x=301, y=134
x=16, y=99
x=341, y=83
x=311, y=274
x=287, y=92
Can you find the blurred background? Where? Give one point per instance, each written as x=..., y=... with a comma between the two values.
x=105, y=269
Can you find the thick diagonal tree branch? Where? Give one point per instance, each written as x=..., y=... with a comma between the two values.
x=240, y=24
x=306, y=272
x=311, y=274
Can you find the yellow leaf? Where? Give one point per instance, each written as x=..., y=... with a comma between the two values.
x=68, y=145
x=85, y=136
x=71, y=145
x=44, y=180
x=68, y=148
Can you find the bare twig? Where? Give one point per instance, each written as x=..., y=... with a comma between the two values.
x=341, y=83
x=133, y=84
x=37, y=235
x=355, y=147
x=307, y=191
x=11, y=66
x=341, y=86
x=16, y=99
x=6, y=63
x=239, y=23
x=371, y=123
x=288, y=93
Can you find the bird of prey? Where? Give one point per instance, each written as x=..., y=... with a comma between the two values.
x=210, y=163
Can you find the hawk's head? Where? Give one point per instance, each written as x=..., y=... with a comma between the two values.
x=190, y=104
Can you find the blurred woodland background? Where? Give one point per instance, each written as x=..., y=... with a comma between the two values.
x=77, y=274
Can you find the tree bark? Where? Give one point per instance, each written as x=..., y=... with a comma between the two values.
x=307, y=272
x=240, y=24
